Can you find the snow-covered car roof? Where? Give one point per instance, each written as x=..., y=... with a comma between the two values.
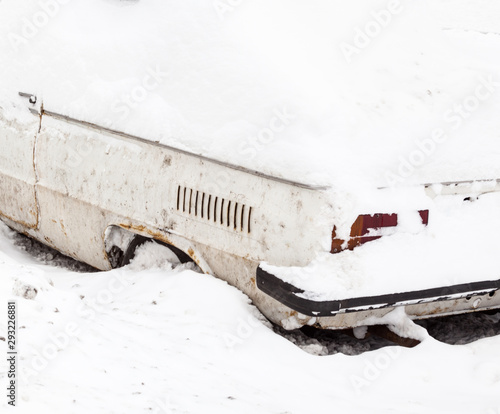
x=323, y=92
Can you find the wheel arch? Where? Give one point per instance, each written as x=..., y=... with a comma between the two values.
x=122, y=237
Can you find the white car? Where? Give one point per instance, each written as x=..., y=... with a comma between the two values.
x=96, y=194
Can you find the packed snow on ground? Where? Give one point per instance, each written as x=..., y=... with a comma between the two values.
x=169, y=340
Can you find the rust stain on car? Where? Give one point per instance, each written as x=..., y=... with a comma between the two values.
x=144, y=230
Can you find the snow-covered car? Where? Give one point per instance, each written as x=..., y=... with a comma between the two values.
x=96, y=195
x=334, y=167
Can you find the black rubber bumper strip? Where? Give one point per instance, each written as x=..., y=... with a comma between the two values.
x=288, y=295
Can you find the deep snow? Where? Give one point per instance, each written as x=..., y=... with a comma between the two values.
x=175, y=341
x=355, y=94
x=261, y=80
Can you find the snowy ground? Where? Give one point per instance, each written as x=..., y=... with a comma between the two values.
x=163, y=340
x=175, y=341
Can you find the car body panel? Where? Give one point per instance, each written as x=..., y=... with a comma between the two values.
x=17, y=169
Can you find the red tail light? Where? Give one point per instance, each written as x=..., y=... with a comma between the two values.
x=366, y=223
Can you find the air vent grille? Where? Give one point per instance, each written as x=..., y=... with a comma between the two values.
x=218, y=210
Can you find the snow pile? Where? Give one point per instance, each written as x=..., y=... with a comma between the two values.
x=174, y=341
x=361, y=94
